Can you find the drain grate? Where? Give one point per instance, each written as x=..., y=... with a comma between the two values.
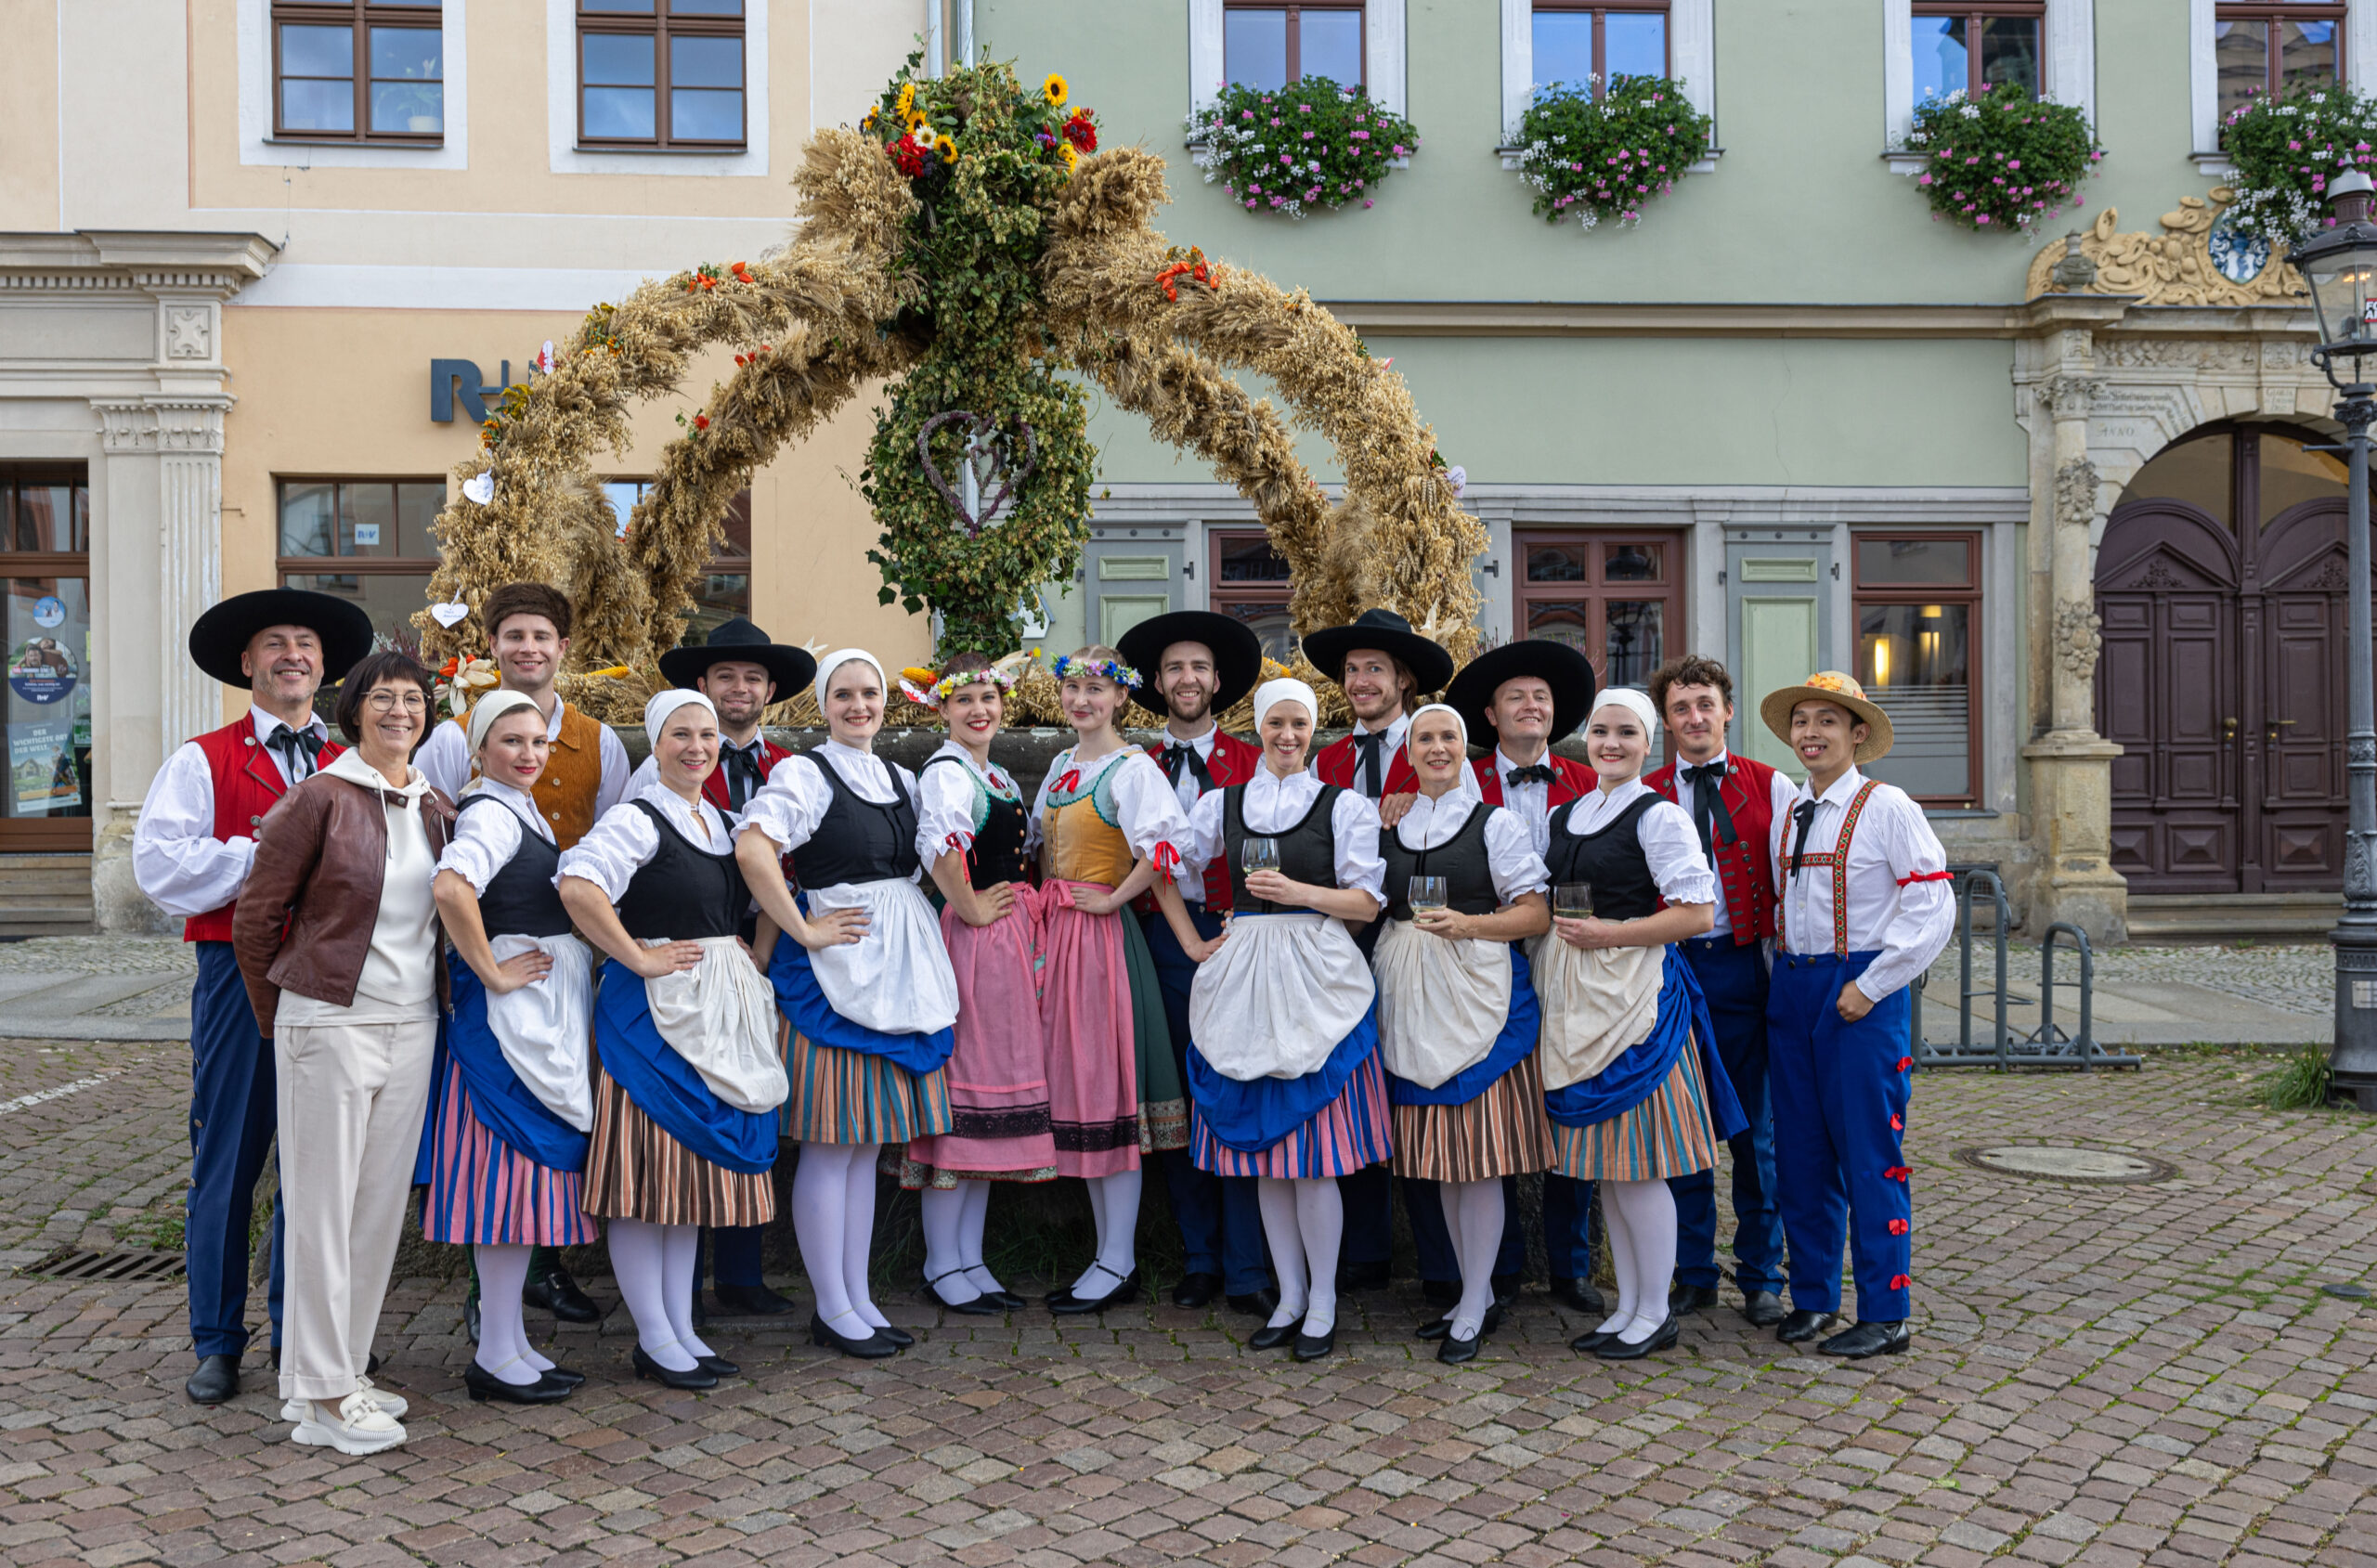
x=75, y=1262
x=2089, y=1167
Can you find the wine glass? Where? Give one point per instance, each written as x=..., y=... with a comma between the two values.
x=1258, y=854
x=1572, y=900
x=1427, y=893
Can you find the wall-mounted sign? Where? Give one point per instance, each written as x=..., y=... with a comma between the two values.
x=459, y=379
x=40, y=671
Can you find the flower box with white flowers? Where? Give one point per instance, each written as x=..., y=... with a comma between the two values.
x=1309, y=144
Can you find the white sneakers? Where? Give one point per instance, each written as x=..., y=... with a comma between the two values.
x=361, y=1425
x=389, y=1404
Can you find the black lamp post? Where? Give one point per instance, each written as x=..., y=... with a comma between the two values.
x=2340, y=264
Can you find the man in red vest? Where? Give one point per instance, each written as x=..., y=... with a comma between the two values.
x=190, y=854
x=1735, y=803
x=1198, y=663
x=1526, y=695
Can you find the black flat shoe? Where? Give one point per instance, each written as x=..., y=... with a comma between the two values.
x=980, y=1306
x=216, y=1381
x=1064, y=1303
x=563, y=1375
x=751, y=1301
x=1686, y=1300
x=875, y=1347
x=484, y=1385
x=695, y=1377
x=1268, y=1337
x=900, y=1338
x=1802, y=1326
x=1442, y=1328
x=559, y=1294
x=1196, y=1290
x=1255, y=1303
x=1585, y=1344
x=1869, y=1339
x=1006, y=1301
x=1764, y=1309
x=1579, y=1294
x=1662, y=1337
x=1312, y=1348
x=1453, y=1351
x=718, y=1365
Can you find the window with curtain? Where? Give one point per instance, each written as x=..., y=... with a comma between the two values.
x=1580, y=41
x=2261, y=50
x=661, y=73
x=1972, y=46
x=1270, y=45
x=370, y=71
x=1918, y=657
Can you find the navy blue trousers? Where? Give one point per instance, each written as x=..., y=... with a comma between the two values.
x=1220, y=1219
x=734, y=1254
x=1734, y=978
x=232, y=1117
x=1840, y=1098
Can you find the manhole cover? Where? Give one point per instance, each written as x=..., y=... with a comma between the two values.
x=70, y=1263
x=2049, y=1162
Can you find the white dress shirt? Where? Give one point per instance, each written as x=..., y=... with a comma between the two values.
x=1902, y=905
x=176, y=859
x=1274, y=805
x=1145, y=808
x=795, y=799
x=1186, y=790
x=1397, y=731
x=1670, y=842
x=485, y=840
x=445, y=760
x=1530, y=802
x=623, y=840
x=1510, y=853
x=946, y=809
x=1779, y=794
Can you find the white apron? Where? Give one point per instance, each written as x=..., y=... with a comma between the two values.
x=1279, y=997
x=1441, y=1003
x=1596, y=1004
x=543, y=1028
x=720, y=1016
x=896, y=979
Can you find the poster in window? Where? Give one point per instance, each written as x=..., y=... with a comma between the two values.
x=39, y=670
x=41, y=776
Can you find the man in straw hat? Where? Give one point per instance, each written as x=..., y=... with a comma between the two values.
x=190, y=855
x=1867, y=906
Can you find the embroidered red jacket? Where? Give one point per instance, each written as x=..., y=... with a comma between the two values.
x=1744, y=867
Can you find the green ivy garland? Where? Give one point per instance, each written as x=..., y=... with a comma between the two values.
x=2001, y=161
x=1309, y=144
x=2286, y=149
x=1592, y=158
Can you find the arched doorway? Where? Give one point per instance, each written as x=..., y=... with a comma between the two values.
x=2220, y=583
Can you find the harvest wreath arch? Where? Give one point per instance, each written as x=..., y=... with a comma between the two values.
x=961, y=246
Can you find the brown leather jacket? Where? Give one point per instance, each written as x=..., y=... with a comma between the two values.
x=305, y=915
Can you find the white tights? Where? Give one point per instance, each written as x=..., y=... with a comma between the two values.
x=1473, y=1216
x=1305, y=1222
x=1641, y=1249
x=503, y=1350
x=655, y=1267
x=1114, y=1205
x=953, y=1218
x=832, y=1215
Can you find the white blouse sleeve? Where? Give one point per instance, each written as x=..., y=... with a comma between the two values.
x=1510, y=852
x=1355, y=822
x=611, y=783
x=1672, y=846
x=945, y=811
x=617, y=846
x=790, y=804
x=1149, y=810
x=1200, y=846
x=1925, y=916
x=175, y=857
x=485, y=840
x=445, y=757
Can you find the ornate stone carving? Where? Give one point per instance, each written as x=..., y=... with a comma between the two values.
x=189, y=333
x=2172, y=267
x=2075, y=493
x=2068, y=397
x=2330, y=579
x=2078, y=637
x=125, y=425
x=2167, y=354
x=2157, y=574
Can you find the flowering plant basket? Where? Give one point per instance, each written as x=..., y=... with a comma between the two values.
x=2286, y=149
x=2001, y=161
x=1593, y=158
x=1309, y=144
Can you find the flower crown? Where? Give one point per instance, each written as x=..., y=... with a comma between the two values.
x=931, y=689
x=1067, y=666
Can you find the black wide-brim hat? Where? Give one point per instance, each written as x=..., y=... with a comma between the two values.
x=219, y=637
x=1238, y=652
x=739, y=641
x=1560, y=666
x=1430, y=665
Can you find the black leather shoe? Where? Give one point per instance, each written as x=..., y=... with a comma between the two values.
x=1763, y=1308
x=718, y=1366
x=1869, y=1339
x=1585, y=1344
x=1268, y=1337
x=563, y=1375
x=1686, y=1300
x=1361, y=1277
x=217, y=1379
x=1662, y=1337
x=1312, y=1348
x=1802, y=1326
x=1442, y=1328
x=751, y=1301
x=470, y=1320
x=900, y=1338
x=484, y=1385
x=1258, y=1303
x=1196, y=1290
x=875, y=1347
x=1440, y=1292
x=980, y=1306
x=559, y=1294
x=1454, y=1352
x=1064, y=1303
x=1579, y=1294
x=695, y=1377
x=1006, y=1301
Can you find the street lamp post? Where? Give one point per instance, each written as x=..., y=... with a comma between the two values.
x=2340, y=265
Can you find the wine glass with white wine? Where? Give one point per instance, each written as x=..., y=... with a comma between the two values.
x=1426, y=893
x=1572, y=900
x=1259, y=854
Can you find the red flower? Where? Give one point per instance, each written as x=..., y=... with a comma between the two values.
x=701, y=422
x=1898, y=1228
x=907, y=157
x=1081, y=131
x=1899, y=1282
x=1899, y=1172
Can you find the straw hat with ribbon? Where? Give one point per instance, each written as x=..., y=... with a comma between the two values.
x=1842, y=691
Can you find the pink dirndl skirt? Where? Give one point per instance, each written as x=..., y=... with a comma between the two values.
x=1354, y=1130
x=998, y=1069
x=483, y=1193
x=1093, y=1044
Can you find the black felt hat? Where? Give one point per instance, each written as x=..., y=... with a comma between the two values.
x=1238, y=652
x=218, y=638
x=737, y=639
x=1430, y=665
x=1560, y=664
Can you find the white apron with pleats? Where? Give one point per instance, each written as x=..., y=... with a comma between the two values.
x=1279, y=997
x=1596, y=1003
x=896, y=979
x=543, y=1029
x=1442, y=1001
x=720, y=1016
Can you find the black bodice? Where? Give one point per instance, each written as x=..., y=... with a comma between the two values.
x=1307, y=851
x=1461, y=861
x=859, y=840
x=1610, y=857
x=520, y=900
x=684, y=892
x=997, y=855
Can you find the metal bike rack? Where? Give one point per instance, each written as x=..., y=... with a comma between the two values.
x=2048, y=1045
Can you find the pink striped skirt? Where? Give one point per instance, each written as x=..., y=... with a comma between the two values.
x=1093, y=1042
x=1666, y=1135
x=1354, y=1130
x=482, y=1193
x=998, y=1070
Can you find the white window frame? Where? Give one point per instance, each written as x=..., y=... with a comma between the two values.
x=1384, y=54
x=2204, y=74
x=256, y=144
x=1692, y=54
x=560, y=108
x=2068, y=69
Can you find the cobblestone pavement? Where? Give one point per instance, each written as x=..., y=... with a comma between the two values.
x=2101, y=1375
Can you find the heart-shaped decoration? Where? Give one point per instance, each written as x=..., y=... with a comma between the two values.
x=984, y=457
x=481, y=489
x=449, y=616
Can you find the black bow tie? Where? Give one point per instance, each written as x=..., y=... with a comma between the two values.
x=1804, y=813
x=298, y=751
x=1709, y=804
x=1534, y=772
x=1370, y=780
x=1183, y=753
x=746, y=772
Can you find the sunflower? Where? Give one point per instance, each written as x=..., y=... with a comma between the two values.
x=1054, y=90
x=907, y=99
x=868, y=123
x=949, y=150
x=1072, y=156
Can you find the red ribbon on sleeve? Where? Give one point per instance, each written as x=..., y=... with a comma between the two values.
x=1926, y=876
x=963, y=845
x=1167, y=859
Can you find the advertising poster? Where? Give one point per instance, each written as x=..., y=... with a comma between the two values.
x=41, y=778
x=39, y=670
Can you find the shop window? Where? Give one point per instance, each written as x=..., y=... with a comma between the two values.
x=724, y=591
x=1250, y=583
x=367, y=71
x=1918, y=656
x=45, y=544
x=1270, y=45
x=1581, y=41
x=1614, y=596
x=1961, y=46
x=661, y=73
x=367, y=540
x=2260, y=50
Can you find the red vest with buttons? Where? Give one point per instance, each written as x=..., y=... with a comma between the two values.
x=247, y=784
x=1571, y=780
x=1745, y=867
x=1231, y=761
x=1339, y=764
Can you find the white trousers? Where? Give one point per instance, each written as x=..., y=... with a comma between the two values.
x=351, y=1097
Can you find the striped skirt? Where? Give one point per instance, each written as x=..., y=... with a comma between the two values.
x=635, y=1170
x=1501, y=1133
x=843, y=1097
x=1348, y=1133
x=482, y=1193
x=1668, y=1135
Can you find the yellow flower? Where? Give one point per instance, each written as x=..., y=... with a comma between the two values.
x=907, y=99
x=868, y=123
x=1054, y=90
x=1072, y=155
x=949, y=150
